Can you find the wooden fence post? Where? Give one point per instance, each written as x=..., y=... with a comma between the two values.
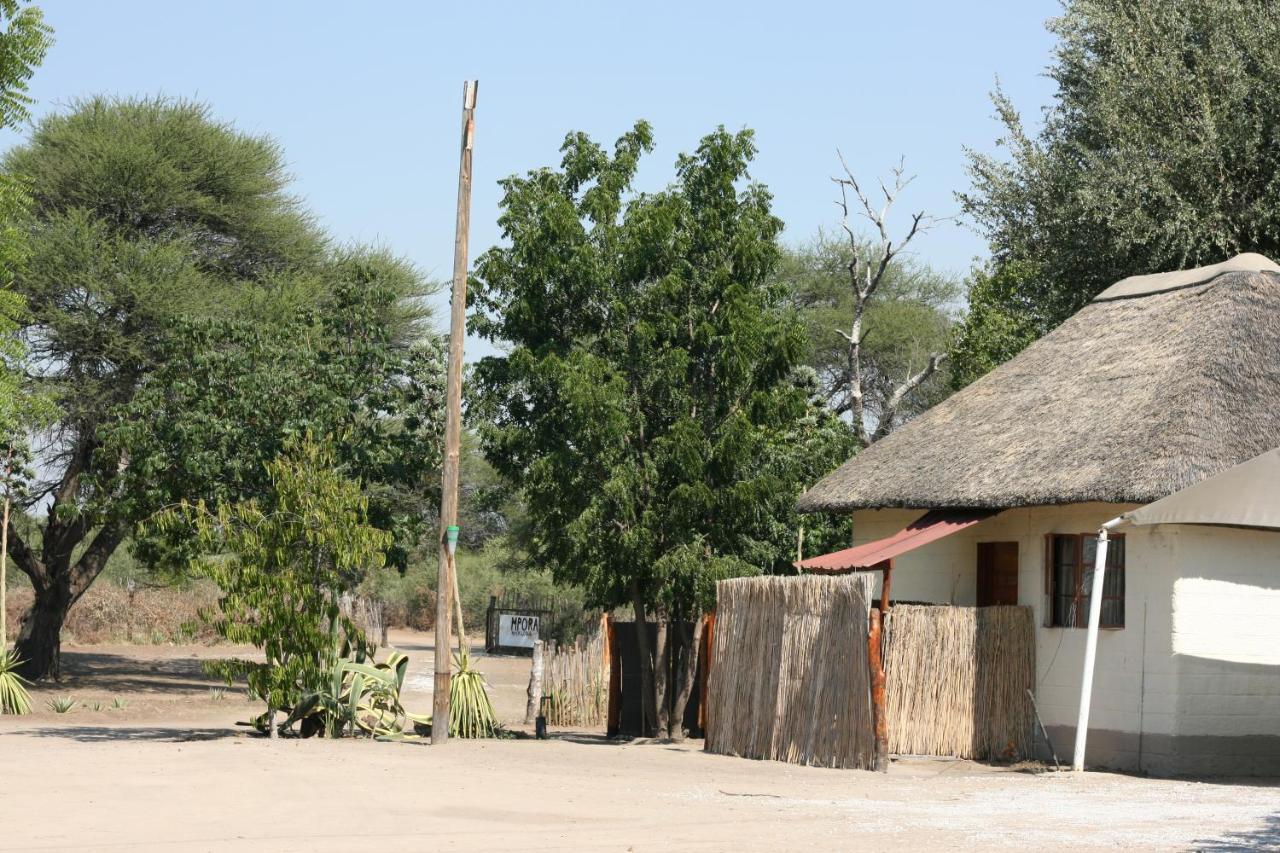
x=878, y=715
x=535, y=685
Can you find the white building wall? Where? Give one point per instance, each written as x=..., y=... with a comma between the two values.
x=1195, y=663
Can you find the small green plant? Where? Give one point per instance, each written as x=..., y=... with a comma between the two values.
x=93, y=706
x=60, y=704
x=14, y=698
x=118, y=704
x=217, y=693
x=470, y=711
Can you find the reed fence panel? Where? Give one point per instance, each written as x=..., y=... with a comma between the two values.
x=789, y=674
x=575, y=680
x=957, y=679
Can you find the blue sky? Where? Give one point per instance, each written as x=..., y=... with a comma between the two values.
x=365, y=97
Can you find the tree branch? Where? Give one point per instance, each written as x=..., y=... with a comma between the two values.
x=95, y=557
x=890, y=411
x=26, y=560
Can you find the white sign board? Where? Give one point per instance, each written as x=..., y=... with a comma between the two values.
x=517, y=631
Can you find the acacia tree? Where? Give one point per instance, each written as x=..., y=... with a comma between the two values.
x=646, y=403
x=148, y=216
x=1158, y=152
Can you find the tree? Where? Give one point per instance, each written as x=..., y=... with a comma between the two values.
x=227, y=396
x=1158, y=153
x=281, y=563
x=24, y=42
x=648, y=382
x=150, y=218
x=868, y=265
x=908, y=321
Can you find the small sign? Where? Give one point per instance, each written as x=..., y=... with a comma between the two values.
x=517, y=631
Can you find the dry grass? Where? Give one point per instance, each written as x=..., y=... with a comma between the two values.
x=957, y=680
x=108, y=614
x=789, y=674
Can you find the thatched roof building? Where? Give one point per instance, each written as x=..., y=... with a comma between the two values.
x=1158, y=383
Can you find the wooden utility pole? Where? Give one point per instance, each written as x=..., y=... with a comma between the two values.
x=453, y=420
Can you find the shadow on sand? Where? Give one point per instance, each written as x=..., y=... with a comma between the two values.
x=118, y=673
x=110, y=734
x=1265, y=837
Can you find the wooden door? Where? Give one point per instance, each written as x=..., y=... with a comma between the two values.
x=997, y=573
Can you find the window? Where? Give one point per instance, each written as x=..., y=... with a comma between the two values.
x=1069, y=560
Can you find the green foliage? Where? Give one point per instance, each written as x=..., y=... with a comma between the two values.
x=1158, y=153
x=282, y=562
x=14, y=698
x=647, y=393
x=470, y=711
x=228, y=395
x=909, y=319
x=993, y=330
x=118, y=704
x=24, y=41
x=61, y=704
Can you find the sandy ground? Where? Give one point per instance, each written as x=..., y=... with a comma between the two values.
x=170, y=772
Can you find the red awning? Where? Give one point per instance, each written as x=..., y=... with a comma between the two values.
x=931, y=526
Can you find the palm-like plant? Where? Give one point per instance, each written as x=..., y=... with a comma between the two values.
x=14, y=698
x=470, y=711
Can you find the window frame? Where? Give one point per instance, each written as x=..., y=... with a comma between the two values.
x=1080, y=596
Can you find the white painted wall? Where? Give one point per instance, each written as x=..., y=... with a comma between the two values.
x=1201, y=641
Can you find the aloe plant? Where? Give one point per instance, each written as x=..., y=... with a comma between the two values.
x=60, y=704
x=470, y=711
x=14, y=698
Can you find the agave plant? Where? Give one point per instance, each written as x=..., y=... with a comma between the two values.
x=60, y=704
x=470, y=711
x=359, y=695
x=14, y=698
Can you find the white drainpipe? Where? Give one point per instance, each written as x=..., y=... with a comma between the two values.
x=1091, y=643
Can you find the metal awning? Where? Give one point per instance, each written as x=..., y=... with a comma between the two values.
x=1247, y=495
x=930, y=527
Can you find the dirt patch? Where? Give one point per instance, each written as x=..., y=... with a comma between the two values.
x=170, y=772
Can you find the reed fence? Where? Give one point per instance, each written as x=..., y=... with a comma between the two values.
x=575, y=680
x=789, y=673
x=957, y=680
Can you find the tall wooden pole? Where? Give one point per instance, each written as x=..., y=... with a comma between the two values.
x=453, y=420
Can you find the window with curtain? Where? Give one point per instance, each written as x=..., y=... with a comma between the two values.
x=1069, y=560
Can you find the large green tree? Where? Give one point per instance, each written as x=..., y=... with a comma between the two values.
x=1159, y=151
x=164, y=240
x=647, y=403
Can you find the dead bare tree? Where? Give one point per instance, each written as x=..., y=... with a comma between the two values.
x=869, y=261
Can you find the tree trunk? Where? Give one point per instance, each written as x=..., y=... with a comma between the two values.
x=662, y=679
x=4, y=576
x=691, y=643
x=648, y=703
x=40, y=638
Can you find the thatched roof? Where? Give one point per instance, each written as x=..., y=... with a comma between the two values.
x=1148, y=389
